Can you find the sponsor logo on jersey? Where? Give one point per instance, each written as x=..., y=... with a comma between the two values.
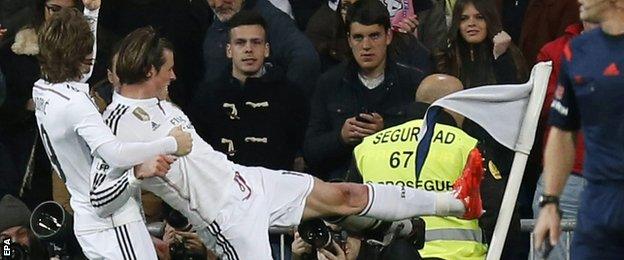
x=155, y=126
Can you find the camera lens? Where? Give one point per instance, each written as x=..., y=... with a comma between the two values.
x=315, y=233
x=178, y=221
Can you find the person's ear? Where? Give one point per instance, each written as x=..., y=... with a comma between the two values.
x=267, y=50
x=109, y=75
x=228, y=50
x=151, y=73
x=389, y=37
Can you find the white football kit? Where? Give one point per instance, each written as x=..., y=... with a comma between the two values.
x=230, y=206
x=72, y=130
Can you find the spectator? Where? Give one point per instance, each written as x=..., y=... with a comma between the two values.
x=360, y=96
x=328, y=32
x=432, y=27
x=15, y=225
x=571, y=195
x=291, y=49
x=479, y=52
x=252, y=113
x=544, y=21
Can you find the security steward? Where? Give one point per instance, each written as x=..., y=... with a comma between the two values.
x=389, y=157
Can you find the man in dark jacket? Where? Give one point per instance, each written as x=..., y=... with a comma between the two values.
x=252, y=113
x=360, y=96
x=291, y=49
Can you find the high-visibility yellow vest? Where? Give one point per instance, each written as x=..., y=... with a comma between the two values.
x=389, y=157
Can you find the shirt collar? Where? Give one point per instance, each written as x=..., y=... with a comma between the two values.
x=84, y=87
x=118, y=98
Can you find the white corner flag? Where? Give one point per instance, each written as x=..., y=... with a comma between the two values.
x=509, y=113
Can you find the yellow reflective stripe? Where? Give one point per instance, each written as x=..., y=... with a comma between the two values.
x=454, y=234
x=454, y=250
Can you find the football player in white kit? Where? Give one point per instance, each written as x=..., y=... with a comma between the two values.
x=232, y=206
x=72, y=131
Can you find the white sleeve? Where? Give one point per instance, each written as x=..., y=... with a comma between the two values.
x=87, y=122
x=92, y=18
x=109, y=189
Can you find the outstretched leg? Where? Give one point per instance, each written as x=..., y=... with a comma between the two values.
x=392, y=203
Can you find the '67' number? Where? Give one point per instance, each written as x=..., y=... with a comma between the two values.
x=396, y=158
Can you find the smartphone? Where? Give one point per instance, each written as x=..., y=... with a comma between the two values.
x=362, y=119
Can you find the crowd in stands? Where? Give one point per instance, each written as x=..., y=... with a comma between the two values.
x=320, y=86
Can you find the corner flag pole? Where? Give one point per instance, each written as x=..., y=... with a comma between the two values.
x=540, y=75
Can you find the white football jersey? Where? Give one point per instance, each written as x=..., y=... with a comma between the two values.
x=197, y=184
x=71, y=129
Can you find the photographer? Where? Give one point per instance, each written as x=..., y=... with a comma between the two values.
x=15, y=231
x=184, y=243
x=178, y=241
x=343, y=247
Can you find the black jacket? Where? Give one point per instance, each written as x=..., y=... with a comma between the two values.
x=290, y=49
x=266, y=107
x=340, y=95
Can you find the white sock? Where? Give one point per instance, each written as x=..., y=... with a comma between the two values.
x=448, y=205
x=390, y=203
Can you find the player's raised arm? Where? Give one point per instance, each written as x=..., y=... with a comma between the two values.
x=88, y=123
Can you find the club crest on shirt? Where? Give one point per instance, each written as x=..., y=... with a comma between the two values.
x=141, y=114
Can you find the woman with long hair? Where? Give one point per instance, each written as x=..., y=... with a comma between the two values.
x=479, y=52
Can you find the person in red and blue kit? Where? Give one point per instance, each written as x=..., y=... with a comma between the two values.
x=590, y=96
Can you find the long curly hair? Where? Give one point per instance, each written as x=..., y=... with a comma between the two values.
x=64, y=42
x=451, y=58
